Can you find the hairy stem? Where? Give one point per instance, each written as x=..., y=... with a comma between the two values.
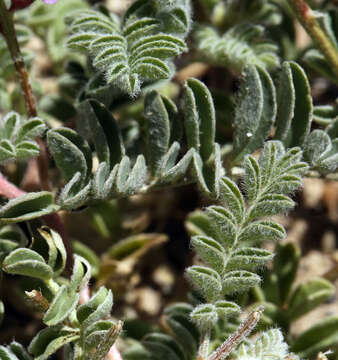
x=203, y=350
x=308, y=20
x=8, y=30
x=244, y=330
x=8, y=190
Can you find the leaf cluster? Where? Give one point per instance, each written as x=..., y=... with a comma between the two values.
x=119, y=175
x=137, y=48
x=239, y=46
x=286, y=302
x=82, y=328
x=17, y=137
x=227, y=244
x=287, y=110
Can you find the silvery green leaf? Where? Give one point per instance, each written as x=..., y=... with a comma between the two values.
x=239, y=281
x=30, y=129
x=198, y=174
x=107, y=339
x=325, y=114
x=255, y=112
x=27, y=207
x=320, y=337
x=27, y=262
x=286, y=98
x=233, y=198
x=158, y=130
x=252, y=177
x=62, y=305
x=19, y=351
x=247, y=258
x=98, y=307
x=285, y=266
x=17, y=137
x=200, y=121
x=11, y=124
x=332, y=129
x=99, y=180
x=122, y=174
x=185, y=331
x=171, y=172
x=87, y=253
x=204, y=315
x=308, y=296
x=137, y=176
x=71, y=197
x=225, y=309
x=317, y=143
x=63, y=141
x=294, y=107
x=271, y=204
x=240, y=45
x=321, y=151
x=163, y=347
x=57, y=254
x=224, y=225
x=81, y=274
x=269, y=343
x=213, y=171
x=137, y=351
x=178, y=308
x=27, y=149
x=317, y=61
x=261, y=230
x=211, y=252
x=205, y=280
x=6, y=354
x=108, y=185
x=10, y=239
x=198, y=224
x=169, y=159
x=176, y=128
x=100, y=126
x=329, y=163
x=95, y=334
x=280, y=171
x=51, y=339
x=129, y=52
x=7, y=150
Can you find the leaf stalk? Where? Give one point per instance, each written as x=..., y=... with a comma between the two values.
x=308, y=20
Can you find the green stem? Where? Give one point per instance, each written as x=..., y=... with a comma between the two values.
x=311, y=25
x=203, y=350
x=8, y=30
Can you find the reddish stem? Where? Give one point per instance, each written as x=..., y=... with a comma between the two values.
x=8, y=190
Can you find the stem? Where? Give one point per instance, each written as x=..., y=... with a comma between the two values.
x=313, y=28
x=203, y=350
x=8, y=190
x=8, y=31
x=244, y=330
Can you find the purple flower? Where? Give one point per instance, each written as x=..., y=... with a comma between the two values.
x=50, y=1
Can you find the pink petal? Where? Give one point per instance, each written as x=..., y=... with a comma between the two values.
x=50, y=1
